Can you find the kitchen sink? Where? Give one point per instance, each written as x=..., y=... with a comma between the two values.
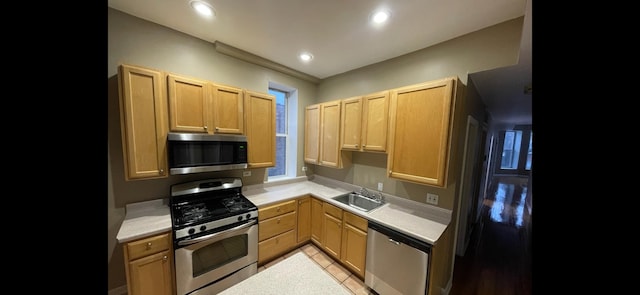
x=358, y=201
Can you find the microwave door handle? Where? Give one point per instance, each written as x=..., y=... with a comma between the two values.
x=189, y=242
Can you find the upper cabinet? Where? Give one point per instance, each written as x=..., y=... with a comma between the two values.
x=330, y=134
x=189, y=102
x=419, y=131
x=203, y=107
x=143, y=121
x=312, y=134
x=364, y=122
x=228, y=110
x=260, y=119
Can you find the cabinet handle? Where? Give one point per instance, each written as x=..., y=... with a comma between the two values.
x=278, y=209
x=205, y=127
x=161, y=171
x=356, y=146
x=278, y=221
x=164, y=258
x=217, y=128
x=148, y=245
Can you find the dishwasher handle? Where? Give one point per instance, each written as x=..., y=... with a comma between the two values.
x=394, y=241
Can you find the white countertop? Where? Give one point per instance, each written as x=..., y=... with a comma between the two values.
x=419, y=220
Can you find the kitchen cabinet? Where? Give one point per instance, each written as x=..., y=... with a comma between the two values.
x=354, y=243
x=228, y=110
x=420, y=130
x=322, y=134
x=189, y=104
x=260, y=122
x=276, y=230
x=200, y=106
x=330, y=154
x=149, y=265
x=332, y=230
x=364, y=122
x=312, y=134
x=304, y=219
x=316, y=221
x=143, y=122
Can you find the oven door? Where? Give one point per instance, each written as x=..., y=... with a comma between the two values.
x=204, y=261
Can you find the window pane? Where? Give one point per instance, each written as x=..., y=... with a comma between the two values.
x=281, y=151
x=281, y=111
x=511, y=149
x=529, y=153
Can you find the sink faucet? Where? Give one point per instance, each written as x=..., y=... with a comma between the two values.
x=365, y=192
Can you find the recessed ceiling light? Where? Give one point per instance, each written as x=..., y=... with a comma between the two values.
x=380, y=16
x=305, y=56
x=203, y=8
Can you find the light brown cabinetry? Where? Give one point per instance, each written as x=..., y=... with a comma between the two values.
x=143, y=121
x=189, y=104
x=304, y=219
x=354, y=243
x=149, y=266
x=228, y=110
x=419, y=132
x=312, y=134
x=364, y=122
x=276, y=230
x=322, y=134
x=316, y=221
x=199, y=106
x=260, y=119
x=332, y=230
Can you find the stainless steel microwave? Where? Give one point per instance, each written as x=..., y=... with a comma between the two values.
x=194, y=153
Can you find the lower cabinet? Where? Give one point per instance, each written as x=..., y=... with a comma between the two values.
x=339, y=233
x=276, y=230
x=149, y=266
x=354, y=243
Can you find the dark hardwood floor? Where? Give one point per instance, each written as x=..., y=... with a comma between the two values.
x=498, y=258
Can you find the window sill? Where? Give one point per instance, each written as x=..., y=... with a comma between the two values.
x=284, y=179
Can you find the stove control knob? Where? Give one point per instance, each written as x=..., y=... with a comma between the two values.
x=248, y=216
x=192, y=231
x=202, y=228
x=239, y=218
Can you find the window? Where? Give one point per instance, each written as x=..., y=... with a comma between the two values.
x=286, y=131
x=515, y=153
x=281, y=134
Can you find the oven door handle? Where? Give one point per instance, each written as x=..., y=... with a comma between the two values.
x=196, y=240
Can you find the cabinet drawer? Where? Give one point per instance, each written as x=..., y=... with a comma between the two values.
x=277, y=209
x=277, y=245
x=332, y=210
x=356, y=221
x=276, y=225
x=148, y=246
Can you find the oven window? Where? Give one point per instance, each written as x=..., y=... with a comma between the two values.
x=219, y=253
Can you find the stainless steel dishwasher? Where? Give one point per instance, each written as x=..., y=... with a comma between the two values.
x=395, y=262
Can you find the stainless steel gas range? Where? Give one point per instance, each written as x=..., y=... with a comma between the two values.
x=215, y=230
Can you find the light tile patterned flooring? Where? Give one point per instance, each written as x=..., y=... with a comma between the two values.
x=341, y=275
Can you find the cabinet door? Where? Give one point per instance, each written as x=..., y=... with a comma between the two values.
x=351, y=123
x=304, y=219
x=354, y=243
x=151, y=275
x=143, y=119
x=228, y=110
x=419, y=132
x=316, y=221
x=260, y=114
x=330, y=134
x=312, y=134
x=375, y=116
x=332, y=230
x=188, y=104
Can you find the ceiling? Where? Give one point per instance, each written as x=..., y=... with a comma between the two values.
x=340, y=37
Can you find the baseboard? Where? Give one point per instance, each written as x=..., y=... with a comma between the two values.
x=122, y=290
